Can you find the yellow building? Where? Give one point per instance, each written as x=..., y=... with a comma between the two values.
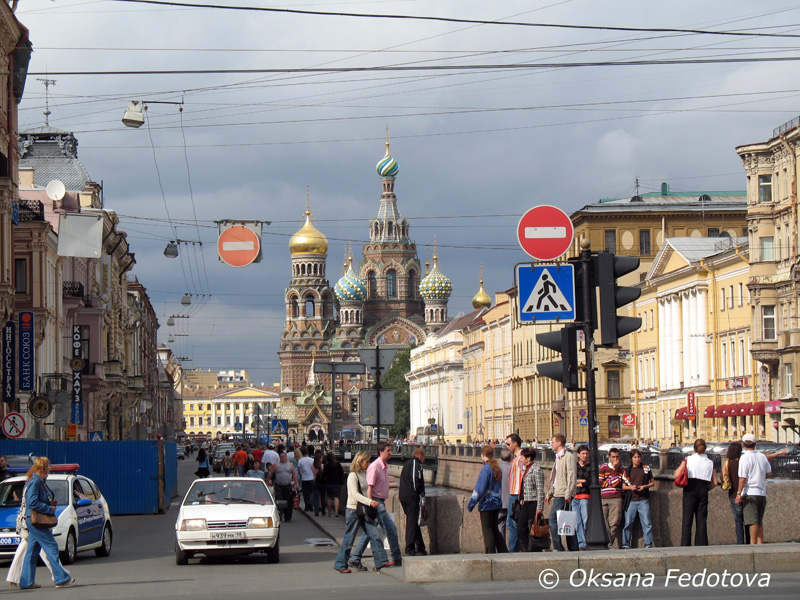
x=496, y=414
x=212, y=413
x=693, y=374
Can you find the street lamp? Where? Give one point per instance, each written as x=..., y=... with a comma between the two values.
x=134, y=115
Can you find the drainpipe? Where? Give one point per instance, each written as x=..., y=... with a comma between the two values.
x=738, y=250
x=715, y=329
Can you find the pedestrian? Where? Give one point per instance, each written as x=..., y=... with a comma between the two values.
x=15, y=570
x=612, y=477
x=334, y=478
x=411, y=493
x=239, y=459
x=378, y=489
x=227, y=463
x=258, y=454
x=505, y=468
x=486, y=496
x=256, y=471
x=356, y=484
x=284, y=477
x=304, y=467
x=730, y=483
x=270, y=457
x=531, y=498
x=202, y=464
x=561, y=489
x=514, y=443
x=702, y=478
x=754, y=468
x=580, y=503
x=318, y=495
x=640, y=480
x=4, y=468
x=39, y=498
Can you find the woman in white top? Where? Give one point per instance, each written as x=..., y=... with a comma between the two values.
x=702, y=478
x=356, y=494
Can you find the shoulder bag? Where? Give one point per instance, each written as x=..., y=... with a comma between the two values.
x=540, y=529
x=682, y=480
x=43, y=520
x=370, y=513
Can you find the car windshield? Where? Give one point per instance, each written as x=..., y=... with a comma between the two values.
x=11, y=492
x=214, y=491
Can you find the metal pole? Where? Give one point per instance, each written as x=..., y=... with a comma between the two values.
x=596, y=533
x=333, y=403
x=378, y=389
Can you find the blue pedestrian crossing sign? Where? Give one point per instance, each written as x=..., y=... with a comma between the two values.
x=546, y=293
x=583, y=422
x=280, y=426
x=96, y=436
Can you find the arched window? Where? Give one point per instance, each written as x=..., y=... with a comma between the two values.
x=295, y=308
x=372, y=283
x=391, y=283
x=389, y=229
x=413, y=284
x=309, y=306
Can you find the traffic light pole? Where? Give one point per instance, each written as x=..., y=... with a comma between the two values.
x=596, y=533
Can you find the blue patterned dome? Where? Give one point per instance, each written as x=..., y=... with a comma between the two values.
x=350, y=286
x=387, y=167
x=435, y=286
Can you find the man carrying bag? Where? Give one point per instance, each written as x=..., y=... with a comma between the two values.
x=561, y=489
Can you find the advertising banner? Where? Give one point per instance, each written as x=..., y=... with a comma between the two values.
x=9, y=362
x=27, y=374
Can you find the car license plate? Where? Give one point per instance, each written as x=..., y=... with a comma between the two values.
x=10, y=541
x=227, y=535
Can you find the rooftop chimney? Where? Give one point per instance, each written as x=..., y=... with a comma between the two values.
x=664, y=189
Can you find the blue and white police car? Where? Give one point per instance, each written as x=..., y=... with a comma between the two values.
x=84, y=521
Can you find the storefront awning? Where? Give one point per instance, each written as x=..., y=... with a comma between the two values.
x=681, y=413
x=719, y=411
x=757, y=408
x=708, y=413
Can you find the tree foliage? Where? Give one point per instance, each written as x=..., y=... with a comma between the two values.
x=395, y=379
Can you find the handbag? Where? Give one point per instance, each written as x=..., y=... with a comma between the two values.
x=567, y=522
x=43, y=520
x=682, y=480
x=424, y=513
x=370, y=513
x=540, y=529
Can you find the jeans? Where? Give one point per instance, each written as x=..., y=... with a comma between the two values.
x=581, y=506
x=738, y=519
x=511, y=525
x=41, y=539
x=642, y=508
x=391, y=535
x=557, y=505
x=308, y=489
x=352, y=522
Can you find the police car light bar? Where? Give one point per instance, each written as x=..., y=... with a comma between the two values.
x=66, y=468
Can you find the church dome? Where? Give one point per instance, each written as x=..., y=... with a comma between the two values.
x=387, y=167
x=350, y=287
x=309, y=240
x=481, y=299
x=435, y=286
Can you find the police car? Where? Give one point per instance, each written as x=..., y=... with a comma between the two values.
x=84, y=521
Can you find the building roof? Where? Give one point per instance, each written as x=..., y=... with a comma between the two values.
x=52, y=154
x=693, y=249
x=671, y=201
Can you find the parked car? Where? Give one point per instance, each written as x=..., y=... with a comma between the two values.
x=84, y=521
x=227, y=516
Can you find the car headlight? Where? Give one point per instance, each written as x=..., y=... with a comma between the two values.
x=259, y=522
x=193, y=525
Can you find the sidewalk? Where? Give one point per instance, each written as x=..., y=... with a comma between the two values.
x=661, y=562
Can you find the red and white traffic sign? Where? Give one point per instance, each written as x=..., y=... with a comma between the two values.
x=14, y=425
x=238, y=246
x=545, y=232
x=629, y=420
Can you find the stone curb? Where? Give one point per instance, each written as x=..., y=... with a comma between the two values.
x=768, y=558
x=318, y=526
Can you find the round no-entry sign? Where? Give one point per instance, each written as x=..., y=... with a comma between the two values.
x=545, y=232
x=14, y=425
x=238, y=246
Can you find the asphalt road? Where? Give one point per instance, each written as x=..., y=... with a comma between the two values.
x=142, y=565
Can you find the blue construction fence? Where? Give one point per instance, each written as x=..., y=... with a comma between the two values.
x=127, y=473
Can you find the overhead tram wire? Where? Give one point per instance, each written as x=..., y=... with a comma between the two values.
x=457, y=20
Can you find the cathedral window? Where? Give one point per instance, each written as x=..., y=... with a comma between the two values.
x=389, y=229
x=391, y=283
x=413, y=284
x=372, y=283
x=309, y=306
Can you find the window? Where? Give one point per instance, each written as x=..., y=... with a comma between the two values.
x=21, y=275
x=612, y=379
x=209, y=407
x=734, y=364
x=309, y=308
x=768, y=322
x=219, y=420
x=652, y=325
x=611, y=240
x=227, y=420
x=767, y=248
x=765, y=188
x=723, y=355
x=788, y=380
x=730, y=300
x=741, y=294
x=778, y=245
x=713, y=232
x=353, y=406
x=644, y=241
x=236, y=406
x=191, y=421
x=722, y=299
x=391, y=283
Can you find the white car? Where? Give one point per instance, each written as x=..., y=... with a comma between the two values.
x=227, y=516
x=84, y=521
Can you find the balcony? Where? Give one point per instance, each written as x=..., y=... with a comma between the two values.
x=73, y=289
x=30, y=210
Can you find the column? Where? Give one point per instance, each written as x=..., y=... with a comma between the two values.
x=686, y=337
x=675, y=335
x=663, y=350
x=703, y=354
x=214, y=415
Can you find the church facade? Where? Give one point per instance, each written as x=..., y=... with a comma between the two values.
x=385, y=300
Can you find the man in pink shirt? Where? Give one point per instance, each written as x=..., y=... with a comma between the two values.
x=378, y=482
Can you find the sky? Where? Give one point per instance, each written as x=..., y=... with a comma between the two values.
x=486, y=120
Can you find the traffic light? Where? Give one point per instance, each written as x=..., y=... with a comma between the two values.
x=607, y=268
x=583, y=312
x=564, y=341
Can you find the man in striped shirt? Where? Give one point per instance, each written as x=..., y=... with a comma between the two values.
x=513, y=443
x=612, y=476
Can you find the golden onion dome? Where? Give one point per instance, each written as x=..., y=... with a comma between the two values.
x=309, y=240
x=481, y=299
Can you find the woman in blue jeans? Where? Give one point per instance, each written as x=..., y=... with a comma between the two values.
x=356, y=484
x=730, y=474
x=38, y=497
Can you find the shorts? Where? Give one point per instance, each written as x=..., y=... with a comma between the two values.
x=333, y=491
x=753, y=511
